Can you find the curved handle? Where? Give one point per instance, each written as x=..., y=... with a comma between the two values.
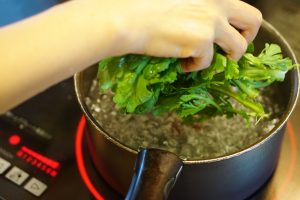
x=155, y=174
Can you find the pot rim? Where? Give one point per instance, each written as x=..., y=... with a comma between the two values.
x=291, y=105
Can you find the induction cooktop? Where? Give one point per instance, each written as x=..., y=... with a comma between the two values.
x=43, y=153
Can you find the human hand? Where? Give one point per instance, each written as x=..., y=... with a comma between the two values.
x=187, y=28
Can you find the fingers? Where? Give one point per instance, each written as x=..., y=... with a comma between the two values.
x=198, y=63
x=231, y=41
x=232, y=25
x=232, y=35
x=228, y=38
x=246, y=18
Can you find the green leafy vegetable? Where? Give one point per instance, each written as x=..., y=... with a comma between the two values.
x=158, y=85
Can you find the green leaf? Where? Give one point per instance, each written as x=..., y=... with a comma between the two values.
x=193, y=103
x=148, y=105
x=247, y=87
x=262, y=74
x=158, y=85
x=254, y=106
x=250, y=48
x=131, y=92
x=232, y=70
x=252, y=60
x=157, y=65
x=218, y=65
x=167, y=104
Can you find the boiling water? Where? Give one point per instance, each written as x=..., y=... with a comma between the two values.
x=212, y=138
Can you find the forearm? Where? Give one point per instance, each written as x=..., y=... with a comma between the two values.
x=47, y=48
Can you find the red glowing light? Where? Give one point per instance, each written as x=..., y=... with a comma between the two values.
x=34, y=162
x=29, y=159
x=80, y=161
x=14, y=140
x=20, y=153
x=41, y=158
x=43, y=167
x=24, y=156
x=41, y=162
x=39, y=165
x=53, y=173
x=48, y=170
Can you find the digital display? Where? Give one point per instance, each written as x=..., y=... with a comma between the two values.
x=18, y=142
x=43, y=163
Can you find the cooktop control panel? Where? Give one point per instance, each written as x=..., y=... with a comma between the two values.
x=26, y=162
x=37, y=158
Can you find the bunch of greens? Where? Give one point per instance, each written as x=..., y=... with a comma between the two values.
x=149, y=84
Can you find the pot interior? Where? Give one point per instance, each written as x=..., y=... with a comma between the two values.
x=123, y=129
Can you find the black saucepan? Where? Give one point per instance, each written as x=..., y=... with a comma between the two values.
x=232, y=176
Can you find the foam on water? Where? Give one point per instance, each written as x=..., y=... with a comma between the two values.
x=215, y=137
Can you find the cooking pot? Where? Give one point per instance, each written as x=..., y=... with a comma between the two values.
x=232, y=176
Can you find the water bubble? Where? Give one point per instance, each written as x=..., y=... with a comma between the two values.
x=212, y=138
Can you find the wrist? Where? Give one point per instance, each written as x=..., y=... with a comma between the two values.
x=111, y=26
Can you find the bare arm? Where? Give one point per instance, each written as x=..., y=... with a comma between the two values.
x=49, y=47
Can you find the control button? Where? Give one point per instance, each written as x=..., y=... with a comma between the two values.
x=35, y=187
x=4, y=165
x=16, y=175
